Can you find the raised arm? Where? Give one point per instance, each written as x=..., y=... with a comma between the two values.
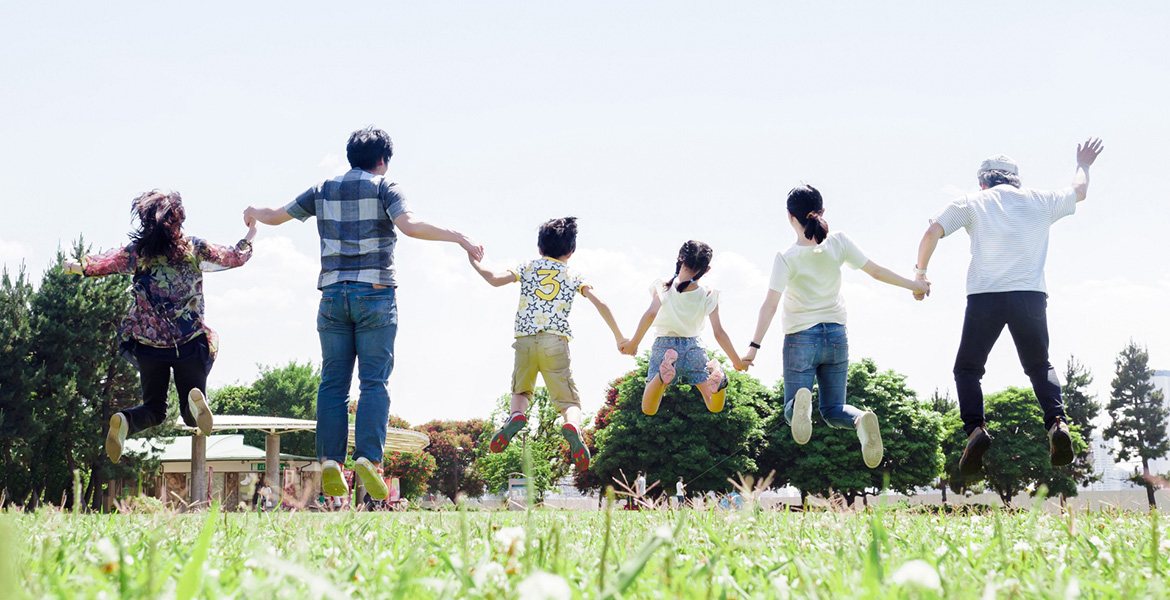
x=920, y=287
x=767, y=313
x=606, y=314
x=110, y=262
x=492, y=277
x=414, y=227
x=724, y=341
x=267, y=216
x=631, y=345
x=1086, y=155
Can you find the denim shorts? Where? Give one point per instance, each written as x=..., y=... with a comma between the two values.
x=691, y=366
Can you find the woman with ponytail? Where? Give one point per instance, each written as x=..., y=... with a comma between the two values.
x=808, y=276
x=164, y=329
x=676, y=312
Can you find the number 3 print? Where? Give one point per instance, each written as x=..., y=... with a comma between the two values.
x=549, y=279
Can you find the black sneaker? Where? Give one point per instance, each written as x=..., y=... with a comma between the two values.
x=1060, y=443
x=972, y=460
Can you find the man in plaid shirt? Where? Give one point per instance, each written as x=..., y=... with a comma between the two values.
x=358, y=215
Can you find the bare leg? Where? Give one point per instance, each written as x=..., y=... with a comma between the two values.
x=572, y=416
x=652, y=397
x=520, y=404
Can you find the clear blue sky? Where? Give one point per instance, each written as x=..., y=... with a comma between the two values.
x=652, y=122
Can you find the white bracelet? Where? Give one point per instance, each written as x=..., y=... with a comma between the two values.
x=918, y=271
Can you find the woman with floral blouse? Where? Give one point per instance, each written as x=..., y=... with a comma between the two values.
x=164, y=329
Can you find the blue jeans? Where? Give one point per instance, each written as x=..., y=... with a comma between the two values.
x=820, y=352
x=355, y=321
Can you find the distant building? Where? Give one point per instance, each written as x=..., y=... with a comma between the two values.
x=1161, y=381
x=1113, y=475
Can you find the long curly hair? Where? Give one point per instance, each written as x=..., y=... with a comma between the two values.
x=160, y=225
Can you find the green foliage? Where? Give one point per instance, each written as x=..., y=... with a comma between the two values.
x=413, y=470
x=1139, y=415
x=684, y=438
x=453, y=446
x=1081, y=407
x=1019, y=457
x=289, y=392
x=831, y=461
x=62, y=381
x=543, y=436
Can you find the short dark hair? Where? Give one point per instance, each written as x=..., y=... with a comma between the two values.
x=996, y=177
x=558, y=237
x=367, y=146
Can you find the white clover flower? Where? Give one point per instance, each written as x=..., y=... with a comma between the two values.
x=331, y=552
x=251, y=563
x=544, y=586
x=487, y=572
x=106, y=551
x=918, y=573
x=1073, y=591
x=511, y=539
x=665, y=533
x=212, y=574
x=1105, y=558
x=1022, y=546
x=941, y=550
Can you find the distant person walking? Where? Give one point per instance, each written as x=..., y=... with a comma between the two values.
x=164, y=330
x=358, y=216
x=640, y=484
x=680, y=492
x=1008, y=225
x=816, y=347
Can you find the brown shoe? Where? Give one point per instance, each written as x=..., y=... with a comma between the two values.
x=972, y=460
x=1060, y=443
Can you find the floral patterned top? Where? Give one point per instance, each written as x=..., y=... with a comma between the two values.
x=167, y=307
x=547, y=289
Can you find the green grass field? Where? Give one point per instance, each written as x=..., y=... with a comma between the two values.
x=549, y=554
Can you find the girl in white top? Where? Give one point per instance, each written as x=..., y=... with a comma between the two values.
x=676, y=313
x=808, y=276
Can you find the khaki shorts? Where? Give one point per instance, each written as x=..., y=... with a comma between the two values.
x=547, y=354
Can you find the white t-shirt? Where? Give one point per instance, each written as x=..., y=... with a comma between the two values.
x=640, y=485
x=678, y=489
x=682, y=313
x=810, y=279
x=1009, y=235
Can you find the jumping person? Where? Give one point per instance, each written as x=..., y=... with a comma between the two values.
x=1008, y=226
x=808, y=276
x=164, y=329
x=676, y=312
x=547, y=289
x=358, y=214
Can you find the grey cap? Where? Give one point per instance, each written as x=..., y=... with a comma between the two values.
x=1000, y=162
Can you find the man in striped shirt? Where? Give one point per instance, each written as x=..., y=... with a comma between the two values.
x=1008, y=226
x=357, y=216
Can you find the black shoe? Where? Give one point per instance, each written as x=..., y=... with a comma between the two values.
x=972, y=460
x=1060, y=443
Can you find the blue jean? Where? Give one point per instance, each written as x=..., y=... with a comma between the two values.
x=355, y=321
x=820, y=352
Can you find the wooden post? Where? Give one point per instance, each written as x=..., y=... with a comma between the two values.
x=197, y=491
x=272, y=466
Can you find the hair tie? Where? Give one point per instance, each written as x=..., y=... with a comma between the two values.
x=812, y=214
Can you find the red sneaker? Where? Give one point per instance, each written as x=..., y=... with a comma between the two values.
x=501, y=438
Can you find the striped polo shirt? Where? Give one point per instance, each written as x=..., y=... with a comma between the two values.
x=355, y=218
x=1009, y=235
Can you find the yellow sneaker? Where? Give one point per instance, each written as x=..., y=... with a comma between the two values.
x=375, y=485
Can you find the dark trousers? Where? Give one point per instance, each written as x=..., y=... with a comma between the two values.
x=190, y=373
x=1026, y=316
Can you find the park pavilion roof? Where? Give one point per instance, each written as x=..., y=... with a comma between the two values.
x=219, y=448
x=398, y=440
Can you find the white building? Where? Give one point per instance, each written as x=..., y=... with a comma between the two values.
x=1161, y=381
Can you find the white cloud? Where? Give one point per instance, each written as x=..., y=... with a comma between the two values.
x=333, y=164
x=15, y=252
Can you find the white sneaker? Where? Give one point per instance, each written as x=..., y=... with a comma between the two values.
x=375, y=485
x=116, y=438
x=871, y=439
x=802, y=416
x=332, y=480
x=199, y=409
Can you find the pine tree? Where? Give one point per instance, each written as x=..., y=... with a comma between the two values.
x=17, y=422
x=1139, y=414
x=1081, y=407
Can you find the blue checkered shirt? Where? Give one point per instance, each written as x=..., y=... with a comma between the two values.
x=355, y=217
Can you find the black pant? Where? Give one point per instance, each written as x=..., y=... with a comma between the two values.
x=155, y=373
x=1026, y=317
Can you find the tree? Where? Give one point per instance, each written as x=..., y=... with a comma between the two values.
x=542, y=436
x=1139, y=414
x=831, y=461
x=453, y=446
x=289, y=392
x=17, y=424
x=1081, y=408
x=1018, y=458
x=684, y=438
x=413, y=470
x=587, y=480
